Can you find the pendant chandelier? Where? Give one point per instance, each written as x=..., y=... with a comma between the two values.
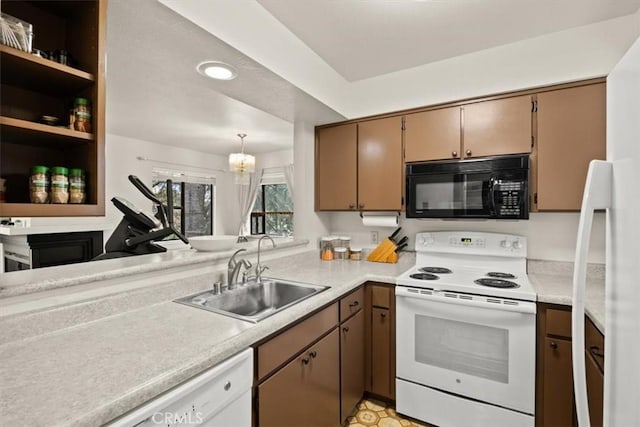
x=242, y=164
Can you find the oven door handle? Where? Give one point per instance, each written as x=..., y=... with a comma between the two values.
x=525, y=307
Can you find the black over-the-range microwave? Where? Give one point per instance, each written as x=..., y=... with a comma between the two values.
x=493, y=187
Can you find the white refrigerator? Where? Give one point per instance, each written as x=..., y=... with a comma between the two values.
x=614, y=185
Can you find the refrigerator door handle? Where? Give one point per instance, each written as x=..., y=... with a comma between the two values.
x=597, y=195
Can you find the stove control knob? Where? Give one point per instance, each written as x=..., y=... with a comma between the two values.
x=517, y=244
x=505, y=244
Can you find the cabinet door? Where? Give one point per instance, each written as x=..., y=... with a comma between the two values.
x=432, y=135
x=497, y=127
x=558, y=383
x=336, y=168
x=595, y=390
x=571, y=133
x=380, y=164
x=351, y=363
x=382, y=370
x=306, y=391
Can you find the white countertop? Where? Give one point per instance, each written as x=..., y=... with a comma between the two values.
x=12, y=230
x=87, y=352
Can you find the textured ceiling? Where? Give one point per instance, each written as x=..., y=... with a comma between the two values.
x=154, y=92
x=362, y=39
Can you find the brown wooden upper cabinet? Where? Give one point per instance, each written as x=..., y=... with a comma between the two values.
x=432, y=135
x=571, y=133
x=349, y=162
x=336, y=167
x=487, y=128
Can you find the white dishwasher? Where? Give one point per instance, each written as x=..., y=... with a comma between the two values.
x=219, y=397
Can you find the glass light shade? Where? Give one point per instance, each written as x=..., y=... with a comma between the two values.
x=242, y=163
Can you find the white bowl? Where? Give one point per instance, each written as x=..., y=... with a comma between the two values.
x=213, y=243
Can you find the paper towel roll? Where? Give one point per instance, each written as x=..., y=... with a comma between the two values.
x=380, y=220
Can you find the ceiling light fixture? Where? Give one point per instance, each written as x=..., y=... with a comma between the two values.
x=242, y=164
x=217, y=70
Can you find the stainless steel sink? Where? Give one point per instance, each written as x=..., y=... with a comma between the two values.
x=254, y=301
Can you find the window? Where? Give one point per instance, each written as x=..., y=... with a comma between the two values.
x=192, y=205
x=272, y=211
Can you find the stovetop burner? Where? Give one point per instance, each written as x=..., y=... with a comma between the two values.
x=496, y=283
x=424, y=276
x=501, y=275
x=436, y=270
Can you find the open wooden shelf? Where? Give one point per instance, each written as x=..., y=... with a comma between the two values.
x=23, y=131
x=31, y=72
x=36, y=209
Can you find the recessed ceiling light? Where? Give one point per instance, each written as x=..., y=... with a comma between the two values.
x=217, y=70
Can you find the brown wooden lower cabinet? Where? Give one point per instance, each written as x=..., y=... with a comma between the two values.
x=555, y=403
x=381, y=341
x=306, y=391
x=351, y=364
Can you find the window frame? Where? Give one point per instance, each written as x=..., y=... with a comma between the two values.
x=212, y=188
x=258, y=219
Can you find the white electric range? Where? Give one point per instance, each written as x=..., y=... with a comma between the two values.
x=466, y=331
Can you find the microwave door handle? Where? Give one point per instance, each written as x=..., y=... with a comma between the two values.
x=492, y=200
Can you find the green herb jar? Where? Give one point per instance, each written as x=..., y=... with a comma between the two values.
x=59, y=185
x=76, y=186
x=39, y=184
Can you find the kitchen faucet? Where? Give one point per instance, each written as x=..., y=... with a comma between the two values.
x=261, y=268
x=233, y=269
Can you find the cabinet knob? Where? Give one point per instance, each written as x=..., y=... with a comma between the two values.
x=313, y=354
x=595, y=350
x=227, y=385
x=454, y=153
x=345, y=329
x=383, y=314
x=352, y=205
x=468, y=152
x=354, y=304
x=361, y=205
x=553, y=345
x=305, y=360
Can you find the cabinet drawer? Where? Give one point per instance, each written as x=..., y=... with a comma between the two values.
x=558, y=322
x=381, y=296
x=281, y=348
x=594, y=343
x=351, y=304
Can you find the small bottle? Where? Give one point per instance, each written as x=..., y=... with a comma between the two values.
x=39, y=184
x=59, y=185
x=76, y=186
x=82, y=110
x=326, y=249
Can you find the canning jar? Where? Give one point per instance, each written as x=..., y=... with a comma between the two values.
x=76, y=186
x=82, y=111
x=59, y=185
x=355, y=254
x=341, y=253
x=326, y=249
x=39, y=184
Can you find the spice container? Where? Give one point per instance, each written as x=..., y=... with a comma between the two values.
x=341, y=253
x=59, y=185
x=355, y=254
x=76, y=186
x=82, y=115
x=39, y=184
x=326, y=249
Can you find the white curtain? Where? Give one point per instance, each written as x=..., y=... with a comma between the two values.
x=288, y=176
x=246, y=197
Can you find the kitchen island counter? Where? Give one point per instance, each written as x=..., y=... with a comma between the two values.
x=85, y=361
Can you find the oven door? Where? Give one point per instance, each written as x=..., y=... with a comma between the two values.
x=468, y=346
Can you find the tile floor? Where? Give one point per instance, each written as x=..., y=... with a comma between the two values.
x=373, y=413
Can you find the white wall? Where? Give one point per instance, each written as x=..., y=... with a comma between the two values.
x=574, y=54
x=274, y=158
x=550, y=236
x=121, y=161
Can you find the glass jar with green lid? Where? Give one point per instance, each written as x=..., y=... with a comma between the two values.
x=39, y=184
x=59, y=185
x=82, y=112
x=76, y=186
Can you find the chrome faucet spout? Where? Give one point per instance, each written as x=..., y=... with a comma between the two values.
x=259, y=267
x=233, y=269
